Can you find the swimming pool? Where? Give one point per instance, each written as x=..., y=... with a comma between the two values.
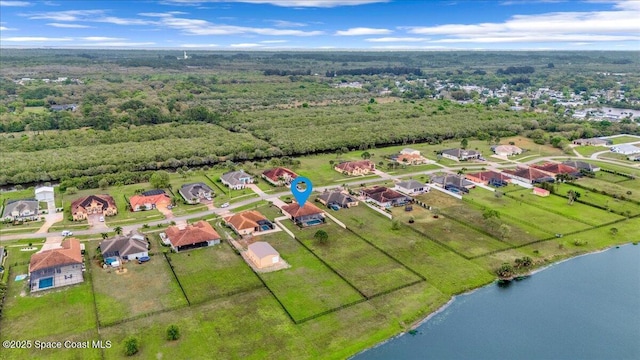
x=265, y=227
x=314, y=222
x=45, y=283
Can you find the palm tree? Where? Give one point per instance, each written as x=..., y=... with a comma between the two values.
x=118, y=230
x=104, y=235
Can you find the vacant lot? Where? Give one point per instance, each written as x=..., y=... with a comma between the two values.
x=144, y=288
x=624, y=139
x=625, y=189
x=368, y=269
x=212, y=272
x=442, y=268
x=598, y=199
x=308, y=287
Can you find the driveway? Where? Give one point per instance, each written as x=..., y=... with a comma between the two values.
x=96, y=224
x=168, y=214
x=49, y=220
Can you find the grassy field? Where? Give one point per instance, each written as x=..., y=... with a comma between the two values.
x=119, y=296
x=598, y=199
x=624, y=139
x=588, y=150
x=448, y=272
x=212, y=272
x=308, y=287
x=368, y=269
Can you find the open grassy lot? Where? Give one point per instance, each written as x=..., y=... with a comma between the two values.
x=609, y=177
x=368, y=269
x=212, y=272
x=144, y=288
x=442, y=268
x=613, y=167
x=309, y=287
x=27, y=193
x=615, y=156
x=598, y=199
x=559, y=205
x=624, y=139
x=588, y=150
x=56, y=315
x=617, y=189
x=523, y=212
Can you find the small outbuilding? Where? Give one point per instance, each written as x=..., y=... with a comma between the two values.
x=262, y=254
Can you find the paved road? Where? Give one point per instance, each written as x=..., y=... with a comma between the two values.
x=265, y=196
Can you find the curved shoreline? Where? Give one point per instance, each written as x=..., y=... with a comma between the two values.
x=444, y=306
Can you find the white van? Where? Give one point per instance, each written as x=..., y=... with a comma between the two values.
x=66, y=233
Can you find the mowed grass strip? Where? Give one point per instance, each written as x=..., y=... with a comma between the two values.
x=212, y=272
x=308, y=287
x=560, y=205
x=144, y=288
x=617, y=189
x=368, y=269
x=598, y=199
x=524, y=212
x=445, y=270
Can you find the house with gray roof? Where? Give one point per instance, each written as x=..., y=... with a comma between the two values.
x=126, y=247
x=194, y=192
x=338, y=198
x=20, y=210
x=411, y=187
x=461, y=154
x=582, y=165
x=626, y=149
x=236, y=180
x=453, y=182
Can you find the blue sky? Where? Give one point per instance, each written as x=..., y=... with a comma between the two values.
x=323, y=24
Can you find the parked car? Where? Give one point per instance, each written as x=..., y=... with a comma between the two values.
x=225, y=205
x=66, y=233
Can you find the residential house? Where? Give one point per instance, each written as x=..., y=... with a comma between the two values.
x=355, y=168
x=279, y=176
x=582, y=165
x=491, y=178
x=625, y=149
x=411, y=187
x=632, y=158
x=307, y=215
x=193, y=236
x=592, y=142
x=193, y=193
x=249, y=222
x=557, y=169
x=262, y=254
x=44, y=193
x=384, y=197
x=451, y=182
x=236, y=180
x=64, y=107
x=337, y=198
x=506, y=150
x=461, y=154
x=126, y=247
x=540, y=192
x=19, y=210
x=529, y=175
x=56, y=267
x=410, y=157
x=147, y=202
x=93, y=204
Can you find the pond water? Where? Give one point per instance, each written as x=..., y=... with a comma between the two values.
x=583, y=308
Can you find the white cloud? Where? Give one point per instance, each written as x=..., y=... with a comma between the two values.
x=4, y=28
x=358, y=31
x=245, y=45
x=36, y=39
x=285, y=23
x=284, y=3
x=122, y=21
x=15, y=3
x=101, y=38
x=69, y=26
x=67, y=15
x=397, y=39
x=273, y=41
x=199, y=45
x=116, y=44
x=532, y=38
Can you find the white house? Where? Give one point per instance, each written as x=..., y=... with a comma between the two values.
x=625, y=149
x=411, y=187
x=45, y=193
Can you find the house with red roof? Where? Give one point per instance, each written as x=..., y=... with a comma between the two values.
x=143, y=202
x=540, y=192
x=529, y=175
x=557, y=169
x=279, y=176
x=303, y=216
x=193, y=236
x=384, y=197
x=492, y=178
x=56, y=267
x=249, y=222
x=355, y=168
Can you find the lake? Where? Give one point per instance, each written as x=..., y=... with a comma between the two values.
x=584, y=308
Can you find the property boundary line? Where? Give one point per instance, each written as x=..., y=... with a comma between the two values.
x=168, y=261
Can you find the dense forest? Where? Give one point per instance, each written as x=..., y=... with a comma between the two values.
x=71, y=114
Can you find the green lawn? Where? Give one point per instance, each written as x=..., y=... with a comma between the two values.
x=212, y=272
x=617, y=189
x=144, y=288
x=445, y=270
x=308, y=287
x=368, y=269
x=597, y=198
x=588, y=150
x=624, y=139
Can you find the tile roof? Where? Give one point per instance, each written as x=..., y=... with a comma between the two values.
x=460, y=152
x=295, y=210
x=410, y=184
x=451, y=179
x=275, y=173
x=528, y=173
x=337, y=197
x=137, y=200
x=489, y=175
x=580, y=165
x=21, y=206
x=507, y=149
x=233, y=177
x=104, y=200
x=245, y=220
x=132, y=243
x=382, y=194
x=194, y=189
x=198, y=232
x=349, y=166
x=68, y=254
x=262, y=249
x=556, y=168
